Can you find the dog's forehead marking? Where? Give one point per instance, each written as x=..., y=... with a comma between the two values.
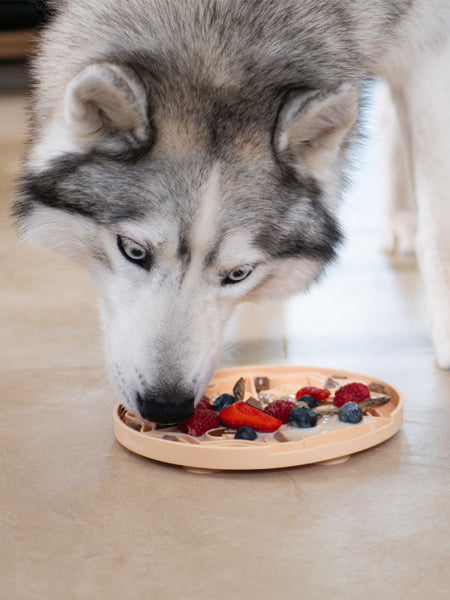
x=203, y=232
x=209, y=242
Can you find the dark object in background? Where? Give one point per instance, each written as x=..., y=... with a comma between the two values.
x=19, y=19
x=19, y=14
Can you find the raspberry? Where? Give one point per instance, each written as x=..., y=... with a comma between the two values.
x=279, y=409
x=317, y=393
x=204, y=403
x=202, y=420
x=352, y=392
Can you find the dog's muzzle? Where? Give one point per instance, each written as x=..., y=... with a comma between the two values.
x=173, y=407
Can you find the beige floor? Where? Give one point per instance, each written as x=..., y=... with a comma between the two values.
x=83, y=518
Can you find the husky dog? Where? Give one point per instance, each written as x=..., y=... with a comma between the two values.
x=191, y=154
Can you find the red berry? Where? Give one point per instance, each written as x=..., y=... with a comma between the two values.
x=241, y=414
x=279, y=409
x=352, y=392
x=202, y=420
x=317, y=393
x=204, y=403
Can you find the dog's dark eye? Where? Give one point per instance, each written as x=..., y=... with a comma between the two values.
x=134, y=252
x=238, y=274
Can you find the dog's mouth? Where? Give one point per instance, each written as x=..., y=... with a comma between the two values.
x=170, y=410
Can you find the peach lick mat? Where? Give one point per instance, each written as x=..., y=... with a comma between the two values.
x=218, y=450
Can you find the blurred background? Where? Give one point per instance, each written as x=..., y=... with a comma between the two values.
x=19, y=21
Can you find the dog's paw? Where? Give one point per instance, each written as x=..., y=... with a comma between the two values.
x=399, y=234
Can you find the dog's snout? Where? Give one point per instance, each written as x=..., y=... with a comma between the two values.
x=173, y=407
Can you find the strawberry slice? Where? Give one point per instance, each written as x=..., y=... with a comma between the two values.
x=241, y=414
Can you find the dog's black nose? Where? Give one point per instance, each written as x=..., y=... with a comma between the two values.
x=173, y=407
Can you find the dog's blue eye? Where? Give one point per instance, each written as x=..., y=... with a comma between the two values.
x=134, y=252
x=238, y=274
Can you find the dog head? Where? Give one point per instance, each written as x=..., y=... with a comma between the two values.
x=183, y=204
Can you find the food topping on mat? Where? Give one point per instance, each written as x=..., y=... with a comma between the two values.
x=261, y=383
x=280, y=437
x=254, y=402
x=266, y=397
x=280, y=409
x=374, y=401
x=221, y=432
x=321, y=395
x=240, y=414
x=239, y=389
x=350, y=412
x=308, y=401
x=201, y=421
x=330, y=384
x=277, y=410
x=365, y=405
x=204, y=403
x=379, y=388
x=352, y=392
x=302, y=417
x=245, y=433
x=223, y=401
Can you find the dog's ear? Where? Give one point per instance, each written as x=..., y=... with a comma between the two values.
x=106, y=105
x=312, y=126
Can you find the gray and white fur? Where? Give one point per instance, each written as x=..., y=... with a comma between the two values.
x=191, y=154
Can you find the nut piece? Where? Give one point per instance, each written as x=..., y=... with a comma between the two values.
x=266, y=397
x=239, y=389
x=376, y=387
x=374, y=401
x=220, y=432
x=280, y=437
x=330, y=384
x=254, y=402
x=261, y=383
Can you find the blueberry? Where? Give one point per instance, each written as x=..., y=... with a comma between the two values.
x=302, y=417
x=223, y=401
x=245, y=433
x=310, y=401
x=350, y=412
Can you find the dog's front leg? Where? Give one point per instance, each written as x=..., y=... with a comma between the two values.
x=399, y=210
x=423, y=103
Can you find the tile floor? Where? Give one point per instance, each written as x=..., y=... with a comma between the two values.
x=81, y=517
